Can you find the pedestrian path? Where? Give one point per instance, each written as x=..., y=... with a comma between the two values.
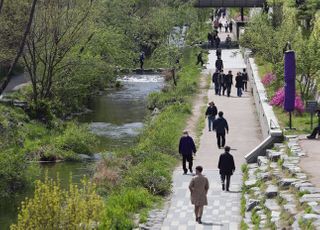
x=223, y=210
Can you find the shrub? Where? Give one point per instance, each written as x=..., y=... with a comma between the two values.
x=76, y=138
x=278, y=100
x=54, y=208
x=120, y=207
x=153, y=174
x=13, y=169
x=268, y=79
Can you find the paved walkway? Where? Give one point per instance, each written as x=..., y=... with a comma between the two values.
x=309, y=164
x=223, y=211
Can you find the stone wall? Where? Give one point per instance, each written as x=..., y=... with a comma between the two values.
x=268, y=121
x=277, y=193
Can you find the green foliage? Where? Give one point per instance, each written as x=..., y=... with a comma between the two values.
x=120, y=207
x=153, y=174
x=76, y=138
x=54, y=208
x=13, y=172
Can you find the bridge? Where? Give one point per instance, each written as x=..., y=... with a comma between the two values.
x=230, y=3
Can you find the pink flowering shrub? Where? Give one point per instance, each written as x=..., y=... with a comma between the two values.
x=268, y=79
x=278, y=100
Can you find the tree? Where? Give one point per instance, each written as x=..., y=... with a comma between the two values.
x=58, y=28
x=21, y=48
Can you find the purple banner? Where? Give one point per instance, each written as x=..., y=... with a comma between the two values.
x=290, y=80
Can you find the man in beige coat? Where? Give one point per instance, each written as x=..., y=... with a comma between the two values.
x=199, y=187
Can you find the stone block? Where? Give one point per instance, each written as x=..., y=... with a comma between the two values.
x=250, y=183
x=262, y=160
x=251, y=203
x=309, y=189
x=271, y=191
x=272, y=205
x=286, y=182
x=310, y=197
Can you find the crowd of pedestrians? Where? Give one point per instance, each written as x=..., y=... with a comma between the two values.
x=223, y=83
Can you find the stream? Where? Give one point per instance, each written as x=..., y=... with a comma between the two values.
x=117, y=117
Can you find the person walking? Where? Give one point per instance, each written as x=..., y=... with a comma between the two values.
x=221, y=127
x=226, y=26
x=245, y=80
x=186, y=149
x=230, y=26
x=228, y=41
x=229, y=82
x=239, y=84
x=216, y=81
x=211, y=113
x=220, y=26
x=199, y=59
x=199, y=186
x=219, y=64
x=141, y=60
x=217, y=41
x=218, y=52
x=223, y=82
x=226, y=167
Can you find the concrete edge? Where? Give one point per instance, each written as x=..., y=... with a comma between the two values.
x=269, y=124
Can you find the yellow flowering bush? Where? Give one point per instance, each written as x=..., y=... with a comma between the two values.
x=54, y=208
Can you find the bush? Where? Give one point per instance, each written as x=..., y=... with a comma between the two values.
x=120, y=207
x=278, y=100
x=153, y=174
x=76, y=138
x=13, y=170
x=54, y=208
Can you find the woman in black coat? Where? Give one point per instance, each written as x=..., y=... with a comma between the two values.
x=239, y=84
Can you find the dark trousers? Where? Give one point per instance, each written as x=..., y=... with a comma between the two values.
x=141, y=64
x=210, y=122
x=228, y=90
x=221, y=139
x=239, y=91
x=245, y=86
x=184, y=162
x=224, y=88
x=217, y=89
x=225, y=177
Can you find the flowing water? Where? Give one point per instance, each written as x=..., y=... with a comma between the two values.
x=117, y=117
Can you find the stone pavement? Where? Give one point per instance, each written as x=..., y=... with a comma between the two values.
x=223, y=210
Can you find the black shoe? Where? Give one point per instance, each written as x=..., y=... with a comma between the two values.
x=223, y=187
x=227, y=190
x=185, y=173
x=311, y=137
x=199, y=220
x=191, y=171
x=209, y=130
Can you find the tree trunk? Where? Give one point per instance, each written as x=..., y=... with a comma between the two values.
x=1, y=4
x=7, y=78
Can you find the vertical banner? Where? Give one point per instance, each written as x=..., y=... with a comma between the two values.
x=290, y=80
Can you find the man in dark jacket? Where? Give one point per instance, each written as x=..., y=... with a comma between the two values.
x=239, y=84
x=219, y=64
x=187, y=148
x=211, y=113
x=226, y=167
x=221, y=127
x=223, y=82
x=229, y=82
x=245, y=80
x=216, y=81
